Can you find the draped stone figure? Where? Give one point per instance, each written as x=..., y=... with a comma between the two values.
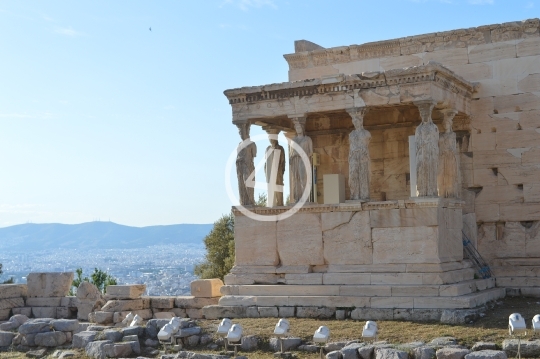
x=449, y=177
x=274, y=167
x=359, y=160
x=427, y=151
x=245, y=166
x=298, y=170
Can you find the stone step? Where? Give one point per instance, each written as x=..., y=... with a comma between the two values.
x=446, y=290
x=471, y=300
x=516, y=271
x=513, y=262
x=518, y=281
x=346, y=278
x=523, y=291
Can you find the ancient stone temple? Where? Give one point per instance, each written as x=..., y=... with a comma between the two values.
x=431, y=137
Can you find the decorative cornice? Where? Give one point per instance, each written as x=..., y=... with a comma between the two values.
x=416, y=44
x=422, y=202
x=357, y=207
x=432, y=72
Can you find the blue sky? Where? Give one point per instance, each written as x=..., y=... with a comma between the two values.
x=101, y=118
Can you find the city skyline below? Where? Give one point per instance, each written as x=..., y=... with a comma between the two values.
x=115, y=111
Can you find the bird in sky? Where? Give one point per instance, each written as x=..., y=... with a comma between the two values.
x=150, y=29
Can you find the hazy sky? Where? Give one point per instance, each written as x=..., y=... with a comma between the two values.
x=101, y=118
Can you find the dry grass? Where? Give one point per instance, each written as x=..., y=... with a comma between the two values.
x=492, y=327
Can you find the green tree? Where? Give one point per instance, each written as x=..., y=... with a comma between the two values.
x=99, y=278
x=8, y=281
x=102, y=280
x=219, y=243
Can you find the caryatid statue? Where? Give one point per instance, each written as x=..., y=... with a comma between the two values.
x=298, y=169
x=359, y=160
x=427, y=151
x=449, y=178
x=245, y=167
x=274, y=169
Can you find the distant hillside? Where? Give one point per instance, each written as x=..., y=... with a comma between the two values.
x=35, y=237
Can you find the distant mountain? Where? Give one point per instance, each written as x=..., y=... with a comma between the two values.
x=35, y=237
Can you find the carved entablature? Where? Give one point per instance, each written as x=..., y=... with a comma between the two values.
x=375, y=49
x=347, y=88
x=415, y=44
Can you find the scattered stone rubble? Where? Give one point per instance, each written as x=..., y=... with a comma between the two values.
x=69, y=336
x=108, y=337
x=46, y=296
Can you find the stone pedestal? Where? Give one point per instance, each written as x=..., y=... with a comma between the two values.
x=381, y=255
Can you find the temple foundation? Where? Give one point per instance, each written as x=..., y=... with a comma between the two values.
x=395, y=257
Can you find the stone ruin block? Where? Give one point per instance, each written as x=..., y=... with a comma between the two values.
x=4, y=314
x=44, y=312
x=44, y=302
x=195, y=313
x=54, y=284
x=101, y=317
x=206, y=288
x=7, y=304
x=162, y=302
x=123, y=305
x=13, y=291
x=179, y=312
x=23, y=310
x=194, y=302
x=132, y=291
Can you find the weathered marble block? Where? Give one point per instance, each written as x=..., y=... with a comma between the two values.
x=11, y=303
x=194, y=302
x=44, y=312
x=44, y=302
x=162, y=302
x=347, y=237
x=12, y=291
x=421, y=244
x=255, y=242
x=206, y=288
x=53, y=284
x=299, y=240
x=132, y=291
x=123, y=305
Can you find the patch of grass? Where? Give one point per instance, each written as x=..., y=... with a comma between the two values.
x=493, y=327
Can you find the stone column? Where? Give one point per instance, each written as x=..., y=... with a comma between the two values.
x=427, y=151
x=298, y=171
x=274, y=168
x=245, y=166
x=449, y=176
x=289, y=135
x=359, y=160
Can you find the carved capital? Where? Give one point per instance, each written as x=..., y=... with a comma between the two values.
x=357, y=112
x=301, y=119
x=426, y=108
x=448, y=118
x=449, y=114
x=271, y=130
x=239, y=121
x=243, y=129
